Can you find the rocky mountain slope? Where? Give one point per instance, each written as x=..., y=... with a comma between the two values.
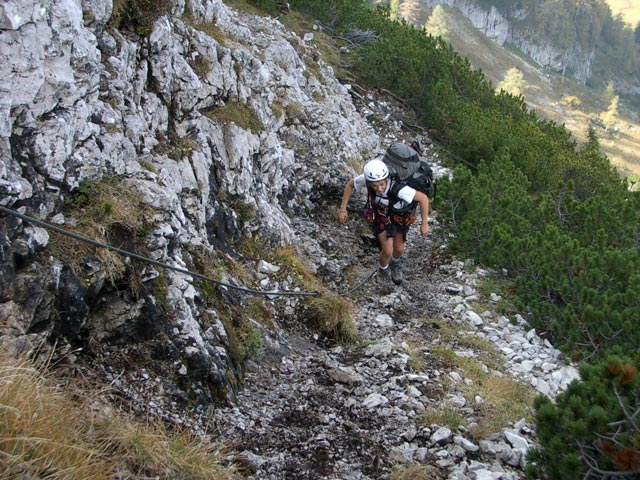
x=129, y=133
x=513, y=24
x=361, y=411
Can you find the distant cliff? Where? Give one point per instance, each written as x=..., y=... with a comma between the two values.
x=516, y=25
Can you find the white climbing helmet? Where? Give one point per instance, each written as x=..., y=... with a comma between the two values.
x=375, y=170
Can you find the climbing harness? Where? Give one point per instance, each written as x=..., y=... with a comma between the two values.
x=374, y=213
x=126, y=253
x=403, y=220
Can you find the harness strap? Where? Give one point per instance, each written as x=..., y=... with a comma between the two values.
x=404, y=220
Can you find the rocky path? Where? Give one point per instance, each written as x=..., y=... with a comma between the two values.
x=354, y=411
x=312, y=411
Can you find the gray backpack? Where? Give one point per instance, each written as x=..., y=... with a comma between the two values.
x=407, y=168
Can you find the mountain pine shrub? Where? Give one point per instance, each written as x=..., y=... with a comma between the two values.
x=593, y=429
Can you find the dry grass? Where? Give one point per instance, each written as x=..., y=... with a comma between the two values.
x=108, y=212
x=416, y=361
x=246, y=6
x=41, y=432
x=332, y=315
x=138, y=15
x=239, y=113
x=210, y=28
x=443, y=414
x=287, y=258
x=329, y=313
x=416, y=472
x=46, y=432
x=324, y=44
x=504, y=399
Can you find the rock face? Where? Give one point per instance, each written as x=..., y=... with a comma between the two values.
x=83, y=102
x=88, y=103
x=574, y=61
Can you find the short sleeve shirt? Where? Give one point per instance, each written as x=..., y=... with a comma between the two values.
x=405, y=195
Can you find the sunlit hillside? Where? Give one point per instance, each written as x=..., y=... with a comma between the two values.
x=629, y=9
x=553, y=96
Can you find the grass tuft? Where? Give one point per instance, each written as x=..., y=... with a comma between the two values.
x=444, y=415
x=107, y=212
x=332, y=315
x=416, y=472
x=46, y=432
x=329, y=313
x=239, y=113
x=138, y=16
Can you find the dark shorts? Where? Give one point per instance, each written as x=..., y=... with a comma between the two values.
x=383, y=224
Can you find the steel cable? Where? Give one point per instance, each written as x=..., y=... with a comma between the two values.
x=126, y=253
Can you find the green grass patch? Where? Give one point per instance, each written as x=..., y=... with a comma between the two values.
x=443, y=415
x=108, y=212
x=504, y=400
x=239, y=113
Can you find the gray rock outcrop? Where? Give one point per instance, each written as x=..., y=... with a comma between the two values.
x=83, y=102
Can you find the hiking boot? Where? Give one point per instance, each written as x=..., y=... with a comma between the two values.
x=396, y=271
x=384, y=279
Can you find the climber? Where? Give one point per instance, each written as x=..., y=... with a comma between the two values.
x=385, y=210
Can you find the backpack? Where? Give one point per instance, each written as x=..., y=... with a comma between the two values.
x=407, y=168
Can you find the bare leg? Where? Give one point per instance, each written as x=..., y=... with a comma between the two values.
x=398, y=245
x=384, y=270
x=396, y=265
x=386, y=249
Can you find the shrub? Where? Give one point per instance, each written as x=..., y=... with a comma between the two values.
x=593, y=430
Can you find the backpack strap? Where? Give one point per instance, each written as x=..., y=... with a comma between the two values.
x=392, y=195
x=373, y=214
x=396, y=186
x=371, y=195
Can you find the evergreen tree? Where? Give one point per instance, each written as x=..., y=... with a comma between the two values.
x=593, y=430
x=557, y=219
x=437, y=26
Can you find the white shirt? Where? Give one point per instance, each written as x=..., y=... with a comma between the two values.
x=405, y=195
